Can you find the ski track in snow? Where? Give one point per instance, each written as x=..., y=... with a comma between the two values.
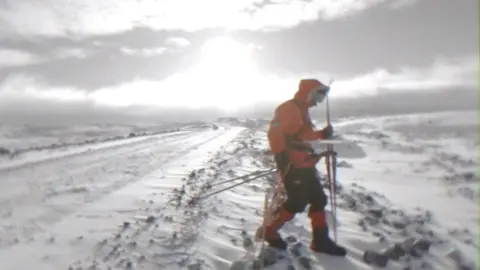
x=131, y=204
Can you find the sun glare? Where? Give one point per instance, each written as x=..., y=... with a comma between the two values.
x=226, y=77
x=226, y=73
x=220, y=51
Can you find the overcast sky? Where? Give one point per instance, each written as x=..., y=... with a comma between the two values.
x=142, y=56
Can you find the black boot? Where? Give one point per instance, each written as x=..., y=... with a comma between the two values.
x=322, y=243
x=276, y=241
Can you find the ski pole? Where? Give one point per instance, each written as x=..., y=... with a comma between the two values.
x=331, y=172
x=334, y=191
x=328, y=164
x=242, y=177
x=230, y=187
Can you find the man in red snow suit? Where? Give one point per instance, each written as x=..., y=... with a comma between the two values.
x=289, y=130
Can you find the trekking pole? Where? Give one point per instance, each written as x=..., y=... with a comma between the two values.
x=242, y=177
x=331, y=163
x=331, y=187
x=230, y=187
x=333, y=190
x=334, y=180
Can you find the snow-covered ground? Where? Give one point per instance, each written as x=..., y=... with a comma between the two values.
x=133, y=203
x=16, y=139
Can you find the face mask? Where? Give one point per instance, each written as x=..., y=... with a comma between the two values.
x=318, y=94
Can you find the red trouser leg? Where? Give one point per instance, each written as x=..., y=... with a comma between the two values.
x=271, y=230
x=318, y=219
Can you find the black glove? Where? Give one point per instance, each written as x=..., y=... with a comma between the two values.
x=327, y=132
x=281, y=161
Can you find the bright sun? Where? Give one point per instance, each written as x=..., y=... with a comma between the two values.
x=221, y=52
x=226, y=77
x=226, y=73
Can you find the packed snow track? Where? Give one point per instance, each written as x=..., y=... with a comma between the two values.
x=46, y=203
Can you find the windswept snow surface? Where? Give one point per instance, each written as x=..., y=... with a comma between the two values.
x=132, y=204
x=23, y=139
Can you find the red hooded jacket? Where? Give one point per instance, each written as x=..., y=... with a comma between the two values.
x=291, y=127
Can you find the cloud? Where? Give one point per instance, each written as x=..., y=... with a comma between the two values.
x=103, y=65
x=66, y=105
x=85, y=111
x=102, y=61
x=11, y=57
x=402, y=3
x=143, y=52
x=442, y=74
x=177, y=42
x=442, y=85
x=63, y=18
x=71, y=52
x=216, y=83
